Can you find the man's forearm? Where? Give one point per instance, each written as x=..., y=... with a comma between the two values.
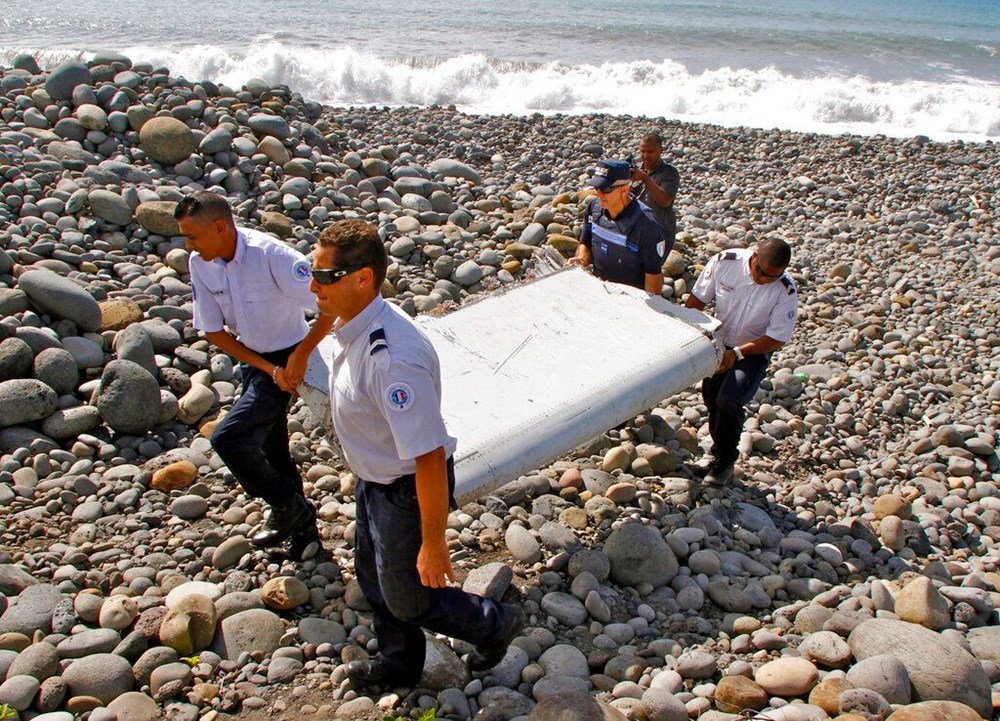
x=653, y=283
x=763, y=344
x=228, y=343
x=432, y=494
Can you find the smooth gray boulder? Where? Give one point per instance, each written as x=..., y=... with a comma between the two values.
x=33, y=610
x=23, y=400
x=16, y=359
x=61, y=81
x=110, y=206
x=105, y=676
x=638, y=554
x=921, y=650
x=61, y=297
x=128, y=397
x=56, y=368
x=254, y=630
x=451, y=168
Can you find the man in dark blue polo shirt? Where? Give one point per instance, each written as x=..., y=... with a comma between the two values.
x=620, y=235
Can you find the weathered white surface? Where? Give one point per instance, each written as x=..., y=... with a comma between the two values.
x=533, y=372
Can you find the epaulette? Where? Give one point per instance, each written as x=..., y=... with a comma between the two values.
x=788, y=284
x=730, y=255
x=376, y=341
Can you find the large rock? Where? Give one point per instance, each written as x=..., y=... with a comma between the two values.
x=23, y=400
x=961, y=679
x=189, y=626
x=15, y=359
x=790, y=676
x=935, y=711
x=920, y=602
x=885, y=675
x=638, y=554
x=134, y=706
x=284, y=593
x=110, y=206
x=61, y=81
x=451, y=168
x=118, y=314
x=56, y=368
x=62, y=298
x=442, y=668
x=71, y=422
x=128, y=397
x=575, y=706
x=175, y=476
x=40, y=660
x=254, y=630
x=157, y=216
x=167, y=140
x=33, y=610
x=105, y=676
x=263, y=124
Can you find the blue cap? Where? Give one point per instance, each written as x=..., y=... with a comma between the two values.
x=609, y=173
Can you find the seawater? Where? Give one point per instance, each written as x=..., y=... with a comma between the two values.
x=880, y=66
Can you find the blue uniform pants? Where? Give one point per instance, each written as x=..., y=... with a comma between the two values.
x=252, y=438
x=726, y=394
x=387, y=541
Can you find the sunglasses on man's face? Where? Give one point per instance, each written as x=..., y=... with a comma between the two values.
x=329, y=276
x=760, y=271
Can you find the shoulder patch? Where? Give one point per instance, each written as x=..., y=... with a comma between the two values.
x=398, y=397
x=376, y=341
x=730, y=255
x=789, y=285
x=302, y=271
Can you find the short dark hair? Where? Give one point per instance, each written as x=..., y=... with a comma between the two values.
x=357, y=243
x=775, y=252
x=653, y=137
x=205, y=205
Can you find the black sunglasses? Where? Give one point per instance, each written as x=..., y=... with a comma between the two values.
x=329, y=276
x=761, y=270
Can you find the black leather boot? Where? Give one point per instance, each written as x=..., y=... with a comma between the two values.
x=286, y=518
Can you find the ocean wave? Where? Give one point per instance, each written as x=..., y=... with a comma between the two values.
x=961, y=108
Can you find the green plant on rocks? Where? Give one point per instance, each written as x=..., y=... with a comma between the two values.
x=425, y=715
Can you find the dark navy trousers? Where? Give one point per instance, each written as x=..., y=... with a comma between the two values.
x=726, y=394
x=252, y=438
x=387, y=540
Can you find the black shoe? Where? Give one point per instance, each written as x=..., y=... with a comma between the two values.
x=369, y=672
x=719, y=476
x=286, y=518
x=487, y=655
x=305, y=543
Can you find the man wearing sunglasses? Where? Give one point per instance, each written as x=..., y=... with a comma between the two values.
x=250, y=292
x=385, y=396
x=756, y=302
x=620, y=234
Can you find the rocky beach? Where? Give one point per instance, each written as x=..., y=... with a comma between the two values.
x=851, y=574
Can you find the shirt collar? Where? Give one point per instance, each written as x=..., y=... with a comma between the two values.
x=626, y=218
x=349, y=331
x=241, y=245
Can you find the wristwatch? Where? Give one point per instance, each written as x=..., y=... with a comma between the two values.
x=738, y=353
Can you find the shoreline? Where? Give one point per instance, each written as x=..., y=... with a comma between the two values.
x=865, y=524
x=831, y=104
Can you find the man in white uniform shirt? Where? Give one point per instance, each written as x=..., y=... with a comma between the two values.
x=756, y=302
x=250, y=293
x=385, y=395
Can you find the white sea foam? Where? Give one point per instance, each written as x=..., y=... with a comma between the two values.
x=960, y=108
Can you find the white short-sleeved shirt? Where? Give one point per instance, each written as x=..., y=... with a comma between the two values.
x=385, y=393
x=259, y=295
x=747, y=309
